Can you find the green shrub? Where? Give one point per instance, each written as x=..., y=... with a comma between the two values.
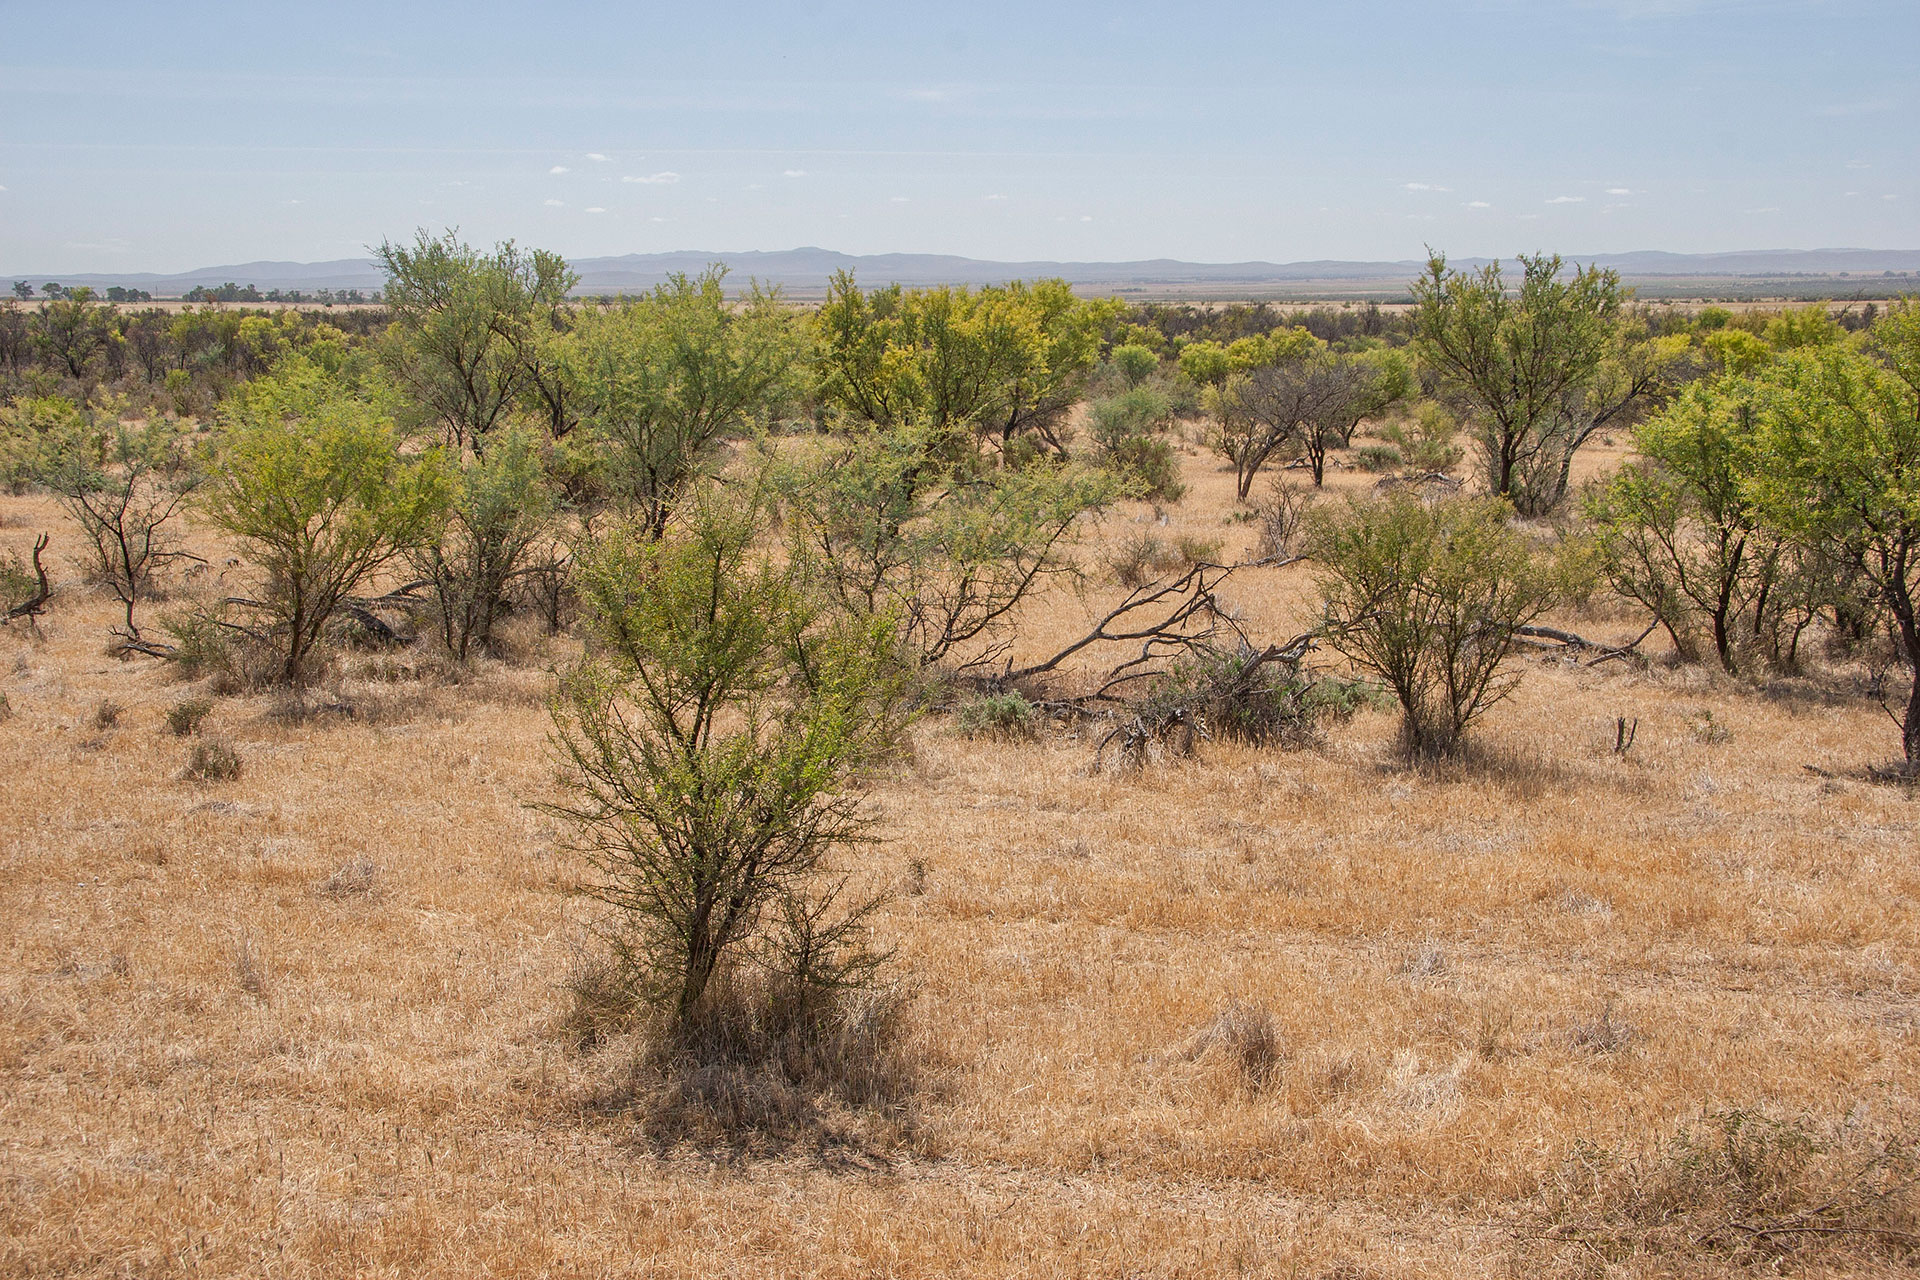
x=1427, y=598
x=1377, y=458
x=213, y=762
x=185, y=716
x=1006, y=717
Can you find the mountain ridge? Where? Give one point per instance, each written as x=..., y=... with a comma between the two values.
x=808, y=268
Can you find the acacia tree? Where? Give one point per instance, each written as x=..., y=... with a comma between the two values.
x=1679, y=533
x=311, y=481
x=70, y=330
x=498, y=509
x=124, y=484
x=1839, y=468
x=1537, y=371
x=658, y=381
x=707, y=748
x=1428, y=598
x=1306, y=405
x=889, y=523
x=462, y=339
x=1001, y=361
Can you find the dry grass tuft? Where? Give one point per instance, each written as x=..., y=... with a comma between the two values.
x=212, y=761
x=1754, y=1191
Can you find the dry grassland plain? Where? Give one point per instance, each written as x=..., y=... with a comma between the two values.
x=1256, y=1012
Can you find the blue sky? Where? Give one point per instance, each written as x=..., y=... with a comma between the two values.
x=165, y=137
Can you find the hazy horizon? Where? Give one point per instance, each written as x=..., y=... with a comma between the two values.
x=207, y=134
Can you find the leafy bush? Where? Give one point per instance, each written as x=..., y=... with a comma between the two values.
x=706, y=747
x=213, y=762
x=1376, y=458
x=185, y=717
x=1427, y=598
x=1003, y=716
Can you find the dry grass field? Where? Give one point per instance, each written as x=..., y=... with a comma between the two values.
x=1547, y=1009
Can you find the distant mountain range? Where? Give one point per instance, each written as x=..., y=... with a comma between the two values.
x=805, y=271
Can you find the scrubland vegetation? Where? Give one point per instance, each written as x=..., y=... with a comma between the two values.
x=959, y=782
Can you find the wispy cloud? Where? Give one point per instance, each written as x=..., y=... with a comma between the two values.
x=1425, y=186
x=896, y=200
x=1861, y=107
x=598, y=158
x=1619, y=191
x=793, y=173
x=665, y=177
x=995, y=196
x=556, y=204
x=1478, y=204
x=1568, y=200
x=595, y=209
x=559, y=168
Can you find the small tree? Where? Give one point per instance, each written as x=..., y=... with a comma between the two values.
x=70, y=330
x=310, y=479
x=124, y=484
x=498, y=511
x=1428, y=599
x=1135, y=362
x=658, y=381
x=1839, y=468
x=887, y=524
x=1678, y=533
x=1536, y=372
x=463, y=329
x=708, y=747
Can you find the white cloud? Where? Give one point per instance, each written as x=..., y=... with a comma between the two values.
x=793, y=173
x=559, y=168
x=756, y=186
x=2, y=188
x=1425, y=186
x=666, y=177
x=1890, y=196
x=657, y=218
x=556, y=204
x=1086, y=217
x=896, y=200
x=1478, y=204
x=595, y=209
x=597, y=158
x=1858, y=164
x=1619, y=191
x=1568, y=200
x=995, y=196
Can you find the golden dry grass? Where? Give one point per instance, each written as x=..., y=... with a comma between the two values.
x=309, y=1022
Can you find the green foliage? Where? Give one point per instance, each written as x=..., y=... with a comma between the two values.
x=1678, y=534
x=998, y=362
x=463, y=341
x=1004, y=717
x=660, y=380
x=1534, y=372
x=708, y=745
x=1135, y=362
x=1425, y=438
x=1839, y=470
x=1377, y=458
x=888, y=523
x=124, y=484
x=34, y=429
x=1125, y=442
x=1797, y=327
x=72, y=332
x=498, y=511
x=1427, y=599
x=311, y=481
